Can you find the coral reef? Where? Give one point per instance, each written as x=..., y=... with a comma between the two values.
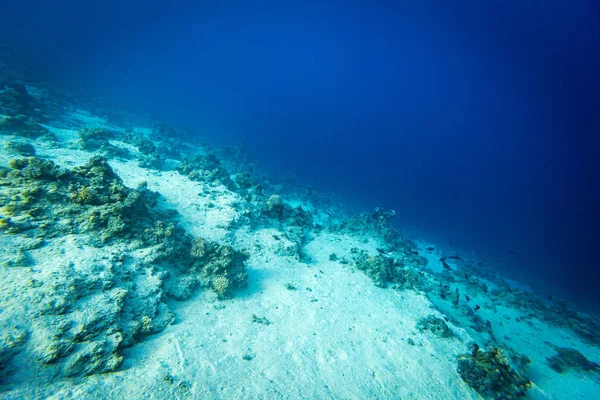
x=244, y=181
x=207, y=169
x=384, y=270
x=11, y=343
x=260, y=320
x=14, y=98
x=221, y=285
x=90, y=198
x=149, y=155
x=83, y=315
x=218, y=266
x=21, y=125
x=87, y=313
x=490, y=373
x=19, y=96
x=277, y=209
x=96, y=140
x=377, y=224
x=19, y=147
x=436, y=325
x=569, y=358
x=559, y=312
x=201, y=263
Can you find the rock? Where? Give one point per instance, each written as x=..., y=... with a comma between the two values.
x=20, y=148
x=435, y=325
x=491, y=375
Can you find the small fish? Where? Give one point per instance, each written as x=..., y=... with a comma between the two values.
x=416, y=253
x=477, y=307
x=467, y=298
x=446, y=266
x=455, y=257
x=381, y=251
x=512, y=252
x=451, y=242
x=442, y=259
x=430, y=248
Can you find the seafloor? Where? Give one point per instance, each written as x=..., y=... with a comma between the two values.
x=139, y=262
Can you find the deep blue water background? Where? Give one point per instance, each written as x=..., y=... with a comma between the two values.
x=476, y=120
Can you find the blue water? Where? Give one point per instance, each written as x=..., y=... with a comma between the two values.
x=477, y=121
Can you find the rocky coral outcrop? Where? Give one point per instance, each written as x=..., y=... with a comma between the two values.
x=20, y=148
x=149, y=156
x=16, y=101
x=567, y=358
x=42, y=200
x=21, y=125
x=490, y=373
x=383, y=270
x=435, y=325
x=557, y=312
x=207, y=169
x=83, y=312
x=275, y=208
x=218, y=266
x=376, y=223
x=97, y=140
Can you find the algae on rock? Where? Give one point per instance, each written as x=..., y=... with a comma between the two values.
x=97, y=140
x=85, y=315
x=435, y=325
x=207, y=169
x=19, y=147
x=279, y=210
x=384, y=270
x=490, y=373
x=219, y=266
x=569, y=358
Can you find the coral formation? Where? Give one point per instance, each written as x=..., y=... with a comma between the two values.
x=21, y=125
x=89, y=313
x=219, y=266
x=559, y=313
x=490, y=373
x=220, y=285
x=19, y=147
x=14, y=98
x=244, y=181
x=97, y=140
x=436, y=325
x=11, y=343
x=90, y=198
x=149, y=155
x=384, y=270
x=207, y=169
x=277, y=209
x=378, y=224
x=260, y=320
x=569, y=358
